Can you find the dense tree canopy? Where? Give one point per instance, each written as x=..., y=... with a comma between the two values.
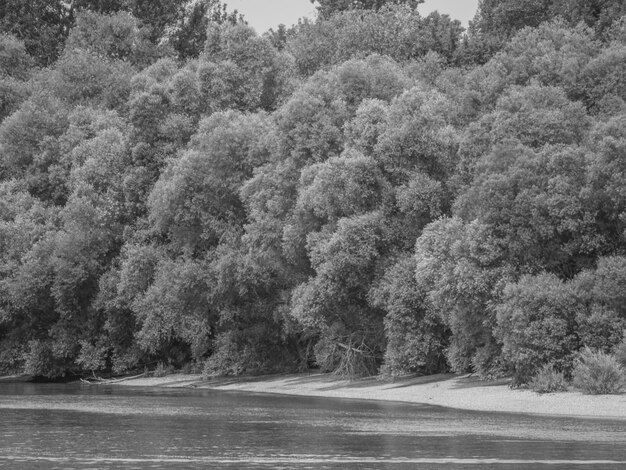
x=370, y=192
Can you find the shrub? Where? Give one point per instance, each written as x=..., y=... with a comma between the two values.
x=548, y=380
x=192, y=367
x=257, y=349
x=39, y=360
x=598, y=373
x=620, y=353
x=537, y=325
x=162, y=370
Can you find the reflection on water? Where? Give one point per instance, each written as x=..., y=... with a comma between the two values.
x=69, y=426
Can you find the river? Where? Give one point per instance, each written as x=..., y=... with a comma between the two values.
x=73, y=426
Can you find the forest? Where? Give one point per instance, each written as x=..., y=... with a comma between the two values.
x=370, y=192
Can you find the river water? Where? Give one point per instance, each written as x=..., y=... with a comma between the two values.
x=81, y=427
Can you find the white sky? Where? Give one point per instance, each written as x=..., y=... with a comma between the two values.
x=265, y=14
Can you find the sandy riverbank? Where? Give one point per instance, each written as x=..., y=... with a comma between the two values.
x=462, y=392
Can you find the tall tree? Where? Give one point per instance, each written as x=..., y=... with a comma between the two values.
x=327, y=8
x=43, y=25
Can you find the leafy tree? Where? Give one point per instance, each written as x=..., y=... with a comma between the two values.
x=310, y=124
x=462, y=268
x=498, y=21
x=600, y=15
x=82, y=77
x=416, y=337
x=603, y=79
x=16, y=66
x=537, y=324
x=43, y=25
x=156, y=14
x=189, y=34
x=327, y=8
x=99, y=6
x=334, y=302
x=117, y=36
x=605, y=176
x=355, y=34
x=504, y=19
x=174, y=314
x=543, y=221
x=341, y=187
x=601, y=326
x=26, y=306
x=418, y=136
x=196, y=200
x=25, y=133
x=239, y=64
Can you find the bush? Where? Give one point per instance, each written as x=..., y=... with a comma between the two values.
x=548, y=380
x=192, y=367
x=537, y=325
x=162, y=370
x=598, y=373
x=255, y=350
x=620, y=353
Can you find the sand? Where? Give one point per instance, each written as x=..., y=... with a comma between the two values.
x=462, y=392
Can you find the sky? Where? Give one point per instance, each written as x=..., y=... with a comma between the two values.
x=266, y=14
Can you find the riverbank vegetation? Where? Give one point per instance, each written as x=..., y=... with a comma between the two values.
x=371, y=192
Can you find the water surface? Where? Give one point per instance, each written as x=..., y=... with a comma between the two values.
x=77, y=426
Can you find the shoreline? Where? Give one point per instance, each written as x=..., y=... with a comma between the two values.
x=462, y=392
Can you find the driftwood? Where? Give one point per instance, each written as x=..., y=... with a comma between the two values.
x=101, y=381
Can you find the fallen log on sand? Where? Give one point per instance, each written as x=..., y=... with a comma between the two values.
x=101, y=381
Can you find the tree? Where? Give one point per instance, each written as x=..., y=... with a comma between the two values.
x=327, y=8
x=497, y=21
x=418, y=136
x=116, y=36
x=82, y=77
x=597, y=14
x=26, y=305
x=334, y=302
x=341, y=187
x=25, y=133
x=601, y=324
x=189, y=34
x=157, y=15
x=462, y=269
x=416, y=337
x=174, y=314
x=355, y=34
x=43, y=25
x=542, y=222
x=255, y=74
x=537, y=325
x=99, y=6
x=16, y=67
x=196, y=200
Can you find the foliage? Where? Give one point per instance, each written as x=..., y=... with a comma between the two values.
x=328, y=8
x=43, y=25
x=548, y=380
x=460, y=268
x=597, y=373
x=415, y=337
x=396, y=31
x=537, y=325
x=620, y=353
x=16, y=67
x=116, y=36
x=497, y=21
x=370, y=192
